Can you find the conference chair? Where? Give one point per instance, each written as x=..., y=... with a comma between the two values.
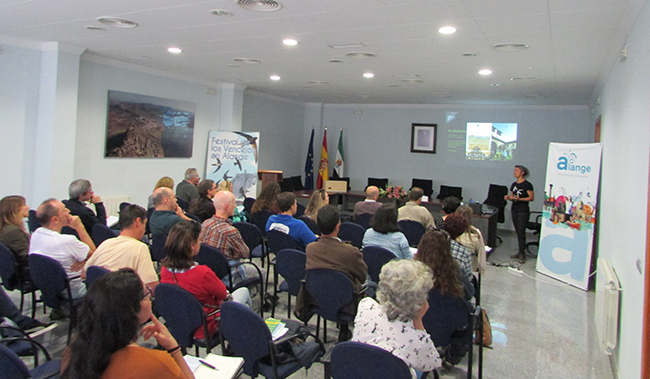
x=450, y=322
x=260, y=218
x=446, y=191
x=183, y=204
x=311, y=224
x=376, y=257
x=12, y=367
x=378, y=182
x=11, y=280
x=353, y=233
x=413, y=231
x=183, y=315
x=93, y=273
x=286, y=185
x=246, y=335
x=536, y=227
x=300, y=211
x=425, y=184
x=32, y=221
x=101, y=233
x=19, y=342
x=333, y=291
x=69, y=230
x=123, y=205
x=495, y=198
x=275, y=242
x=147, y=231
x=253, y=239
x=248, y=204
x=290, y=264
x=50, y=277
x=158, y=249
x=364, y=220
x=297, y=183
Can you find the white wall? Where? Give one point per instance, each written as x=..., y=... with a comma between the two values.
x=135, y=177
x=625, y=110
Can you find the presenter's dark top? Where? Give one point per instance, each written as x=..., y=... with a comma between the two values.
x=87, y=216
x=521, y=190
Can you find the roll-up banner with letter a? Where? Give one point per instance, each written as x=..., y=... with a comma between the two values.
x=569, y=215
x=233, y=156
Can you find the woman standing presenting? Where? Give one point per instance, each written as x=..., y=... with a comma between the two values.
x=521, y=193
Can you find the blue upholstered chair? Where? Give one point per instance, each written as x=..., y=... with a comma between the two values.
x=12, y=367
x=290, y=263
x=413, y=231
x=353, y=233
x=356, y=360
x=376, y=257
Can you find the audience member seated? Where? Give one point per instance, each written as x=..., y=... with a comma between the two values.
x=319, y=199
x=330, y=252
x=186, y=189
x=127, y=249
x=165, y=181
x=218, y=232
x=449, y=206
x=394, y=321
x=240, y=215
x=203, y=207
x=167, y=213
x=180, y=269
x=64, y=248
x=414, y=211
x=29, y=325
x=456, y=225
x=266, y=201
x=385, y=233
x=434, y=250
x=370, y=205
x=225, y=185
x=81, y=191
x=13, y=210
x=104, y=344
x=286, y=223
x=472, y=239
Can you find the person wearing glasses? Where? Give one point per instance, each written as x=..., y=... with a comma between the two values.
x=186, y=189
x=104, y=345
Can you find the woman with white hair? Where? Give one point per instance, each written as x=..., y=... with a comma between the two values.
x=395, y=322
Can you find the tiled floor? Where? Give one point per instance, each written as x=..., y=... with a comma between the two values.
x=541, y=328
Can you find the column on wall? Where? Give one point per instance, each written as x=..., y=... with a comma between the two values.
x=232, y=104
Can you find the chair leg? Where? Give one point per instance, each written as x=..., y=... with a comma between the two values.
x=275, y=290
x=288, y=305
x=317, y=326
x=324, y=330
x=22, y=300
x=34, y=304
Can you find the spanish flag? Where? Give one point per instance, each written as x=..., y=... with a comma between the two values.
x=323, y=167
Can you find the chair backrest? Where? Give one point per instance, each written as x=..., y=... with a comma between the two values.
x=495, y=198
x=158, y=248
x=376, y=257
x=32, y=221
x=149, y=213
x=350, y=231
x=183, y=204
x=311, y=224
x=123, y=205
x=354, y=360
x=276, y=241
x=413, y=231
x=290, y=264
x=378, y=182
x=101, y=233
x=49, y=276
x=363, y=220
x=7, y=267
x=297, y=183
x=69, y=230
x=446, y=315
x=182, y=312
x=300, y=211
x=11, y=366
x=446, y=191
x=213, y=258
x=260, y=218
x=248, y=204
x=286, y=185
x=425, y=184
x=93, y=273
x=250, y=233
x=247, y=335
x=331, y=289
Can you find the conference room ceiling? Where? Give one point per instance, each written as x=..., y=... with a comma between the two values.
x=571, y=43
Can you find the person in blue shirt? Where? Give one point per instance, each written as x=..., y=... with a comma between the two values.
x=385, y=233
x=286, y=223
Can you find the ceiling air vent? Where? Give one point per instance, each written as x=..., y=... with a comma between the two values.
x=246, y=60
x=510, y=46
x=221, y=12
x=360, y=54
x=524, y=78
x=260, y=5
x=117, y=22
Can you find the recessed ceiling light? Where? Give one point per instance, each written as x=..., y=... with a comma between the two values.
x=335, y=61
x=96, y=28
x=290, y=42
x=510, y=46
x=246, y=60
x=360, y=54
x=347, y=45
x=494, y=84
x=274, y=77
x=469, y=54
x=117, y=22
x=221, y=12
x=368, y=75
x=260, y=5
x=174, y=50
x=524, y=78
x=447, y=30
x=485, y=72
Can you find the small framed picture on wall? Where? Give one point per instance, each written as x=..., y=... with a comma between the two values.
x=423, y=138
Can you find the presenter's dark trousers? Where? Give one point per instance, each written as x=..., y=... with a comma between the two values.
x=519, y=220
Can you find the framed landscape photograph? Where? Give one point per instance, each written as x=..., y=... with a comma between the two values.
x=140, y=126
x=423, y=138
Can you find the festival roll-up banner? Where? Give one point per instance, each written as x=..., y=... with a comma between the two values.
x=569, y=214
x=233, y=156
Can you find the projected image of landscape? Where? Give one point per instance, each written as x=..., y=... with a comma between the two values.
x=487, y=141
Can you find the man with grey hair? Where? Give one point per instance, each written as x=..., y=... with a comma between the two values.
x=370, y=205
x=167, y=213
x=413, y=210
x=186, y=190
x=81, y=191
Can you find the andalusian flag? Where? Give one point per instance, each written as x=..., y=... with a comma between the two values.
x=309, y=163
x=323, y=167
x=338, y=165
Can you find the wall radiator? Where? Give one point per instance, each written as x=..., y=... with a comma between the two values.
x=112, y=204
x=607, y=306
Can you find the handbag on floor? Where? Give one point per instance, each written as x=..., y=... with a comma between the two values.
x=486, y=338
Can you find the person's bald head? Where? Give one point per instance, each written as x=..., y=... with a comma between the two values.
x=372, y=193
x=164, y=199
x=224, y=204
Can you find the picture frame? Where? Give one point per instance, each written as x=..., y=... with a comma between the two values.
x=424, y=138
